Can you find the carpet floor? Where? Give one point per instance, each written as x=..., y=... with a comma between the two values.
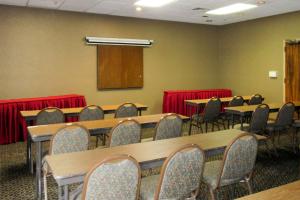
x=17, y=183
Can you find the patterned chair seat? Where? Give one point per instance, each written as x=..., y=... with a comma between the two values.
x=148, y=187
x=211, y=173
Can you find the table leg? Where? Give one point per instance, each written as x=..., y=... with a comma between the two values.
x=38, y=172
x=140, y=112
x=66, y=192
x=241, y=121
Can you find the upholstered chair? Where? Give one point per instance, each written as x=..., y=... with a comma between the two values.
x=255, y=100
x=126, y=110
x=68, y=139
x=116, y=177
x=179, y=178
x=50, y=115
x=126, y=132
x=237, y=164
x=210, y=115
x=93, y=112
x=283, y=121
x=169, y=126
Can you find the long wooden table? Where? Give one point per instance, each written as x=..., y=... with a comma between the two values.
x=72, y=167
x=242, y=111
x=30, y=115
x=43, y=133
x=198, y=103
x=289, y=191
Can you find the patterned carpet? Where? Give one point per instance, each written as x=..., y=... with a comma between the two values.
x=17, y=183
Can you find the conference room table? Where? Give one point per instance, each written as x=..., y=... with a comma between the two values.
x=30, y=115
x=42, y=133
x=290, y=191
x=71, y=168
x=198, y=103
x=245, y=110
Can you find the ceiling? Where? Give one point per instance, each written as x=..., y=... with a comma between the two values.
x=179, y=10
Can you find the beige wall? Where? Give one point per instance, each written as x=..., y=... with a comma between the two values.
x=43, y=53
x=248, y=50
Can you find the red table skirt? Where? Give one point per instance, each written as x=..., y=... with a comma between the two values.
x=12, y=124
x=174, y=100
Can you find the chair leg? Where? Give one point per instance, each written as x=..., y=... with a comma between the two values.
x=205, y=127
x=267, y=147
x=273, y=143
x=213, y=126
x=97, y=138
x=212, y=194
x=247, y=181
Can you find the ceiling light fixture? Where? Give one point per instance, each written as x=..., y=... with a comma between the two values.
x=234, y=8
x=152, y=3
x=138, y=9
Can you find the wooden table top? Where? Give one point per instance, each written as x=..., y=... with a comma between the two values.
x=251, y=108
x=289, y=191
x=106, y=109
x=204, y=101
x=78, y=164
x=50, y=129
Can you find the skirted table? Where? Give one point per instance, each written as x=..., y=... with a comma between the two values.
x=173, y=101
x=13, y=127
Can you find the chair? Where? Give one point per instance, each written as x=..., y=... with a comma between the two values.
x=258, y=120
x=283, y=121
x=235, y=101
x=210, y=115
x=50, y=115
x=69, y=138
x=126, y=132
x=126, y=110
x=179, y=178
x=255, y=100
x=169, y=126
x=93, y=112
x=296, y=125
x=237, y=164
x=117, y=177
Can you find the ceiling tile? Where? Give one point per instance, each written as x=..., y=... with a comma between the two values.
x=14, y=2
x=45, y=3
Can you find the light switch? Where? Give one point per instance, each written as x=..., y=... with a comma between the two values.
x=273, y=74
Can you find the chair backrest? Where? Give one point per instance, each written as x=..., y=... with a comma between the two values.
x=69, y=138
x=118, y=177
x=212, y=109
x=126, y=132
x=236, y=101
x=169, y=126
x=91, y=112
x=126, y=110
x=285, y=115
x=255, y=99
x=181, y=173
x=259, y=119
x=239, y=159
x=50, y=115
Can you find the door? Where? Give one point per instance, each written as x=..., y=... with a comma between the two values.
x=292, y=71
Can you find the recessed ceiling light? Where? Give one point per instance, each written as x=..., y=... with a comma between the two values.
x=199, y=8
x=204, y=16
x=261, y=2
x=138, y=9
x=152, y=3
x=234, y=8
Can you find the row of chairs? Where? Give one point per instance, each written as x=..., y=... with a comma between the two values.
x=119, y=177
x=212, y=112
x=53, y=115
